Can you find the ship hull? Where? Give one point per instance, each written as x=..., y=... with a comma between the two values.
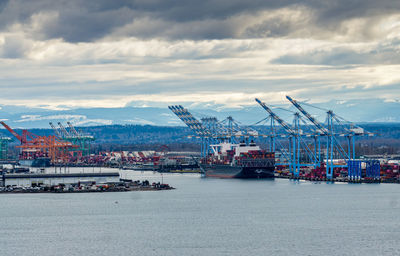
x=238, y=172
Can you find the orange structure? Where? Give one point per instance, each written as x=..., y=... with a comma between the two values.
x=34, y=146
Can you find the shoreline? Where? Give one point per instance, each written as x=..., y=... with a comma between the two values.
x=342, y=180
x=31, y=191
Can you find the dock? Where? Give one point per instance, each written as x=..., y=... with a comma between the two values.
x=88, y=187
x=337, y=179
x=27, y=179
x=60, y=175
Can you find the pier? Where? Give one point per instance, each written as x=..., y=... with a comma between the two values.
x=87, y=187
x=27, y=179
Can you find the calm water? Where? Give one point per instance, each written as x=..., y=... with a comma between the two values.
x=206, y=217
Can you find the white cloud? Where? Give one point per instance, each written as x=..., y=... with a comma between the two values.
x=78, y=120
x=139, y=121
x=110, y=72
x=93, y=122
x=30, y=118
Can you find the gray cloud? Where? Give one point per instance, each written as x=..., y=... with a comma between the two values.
x=387, y=53
x=14, y=47
x=81, y=25
x=109, y=53
x=83, y=21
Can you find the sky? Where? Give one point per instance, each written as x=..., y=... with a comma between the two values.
x=57, y=54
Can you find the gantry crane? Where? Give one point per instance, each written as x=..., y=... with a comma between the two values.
x=299, y=151
x=64, y=131
x=322, y=132
x=33, y=146
x=332, y=144
x=210, y=130
x=82, y=140
x=319, y=131
x=200, y=131
x=321, y=128
x=229, y=129
x=72, y=128
x=56, y=130
x=22, y=138
x=288, y=154
x=190, y=121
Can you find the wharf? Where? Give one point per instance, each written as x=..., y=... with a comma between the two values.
x=87, y=190
x=88, y=187
x=27, y=179
x=341, y=179
x=59, y=175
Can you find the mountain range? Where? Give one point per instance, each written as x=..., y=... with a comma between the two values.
x=373, y=110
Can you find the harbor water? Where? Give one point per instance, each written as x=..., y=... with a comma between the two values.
x=206, y=216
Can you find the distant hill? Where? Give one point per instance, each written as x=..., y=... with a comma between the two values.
x=150, y=134
x=149, y=137
x=373, y=110
x=126, y=134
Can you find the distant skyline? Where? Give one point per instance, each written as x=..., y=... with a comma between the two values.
x=60, y=55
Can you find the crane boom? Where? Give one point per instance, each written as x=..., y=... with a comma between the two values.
x=190, y=120
x=12, y=132
x=72, y=128
x=64, y=131
x=309, y=117
x=277, y=118
x=213, y=125
x=55, y=130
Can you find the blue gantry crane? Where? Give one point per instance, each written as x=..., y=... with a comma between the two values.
x=303, y=148
x=288, y=154
x=336, y=129
x=210, y=130
x=299, y=151
x=200, y=131
x=331, y=142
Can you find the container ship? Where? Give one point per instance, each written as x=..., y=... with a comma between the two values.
x=242, y=161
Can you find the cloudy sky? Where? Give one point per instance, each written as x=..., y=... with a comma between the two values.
x=76, y=53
